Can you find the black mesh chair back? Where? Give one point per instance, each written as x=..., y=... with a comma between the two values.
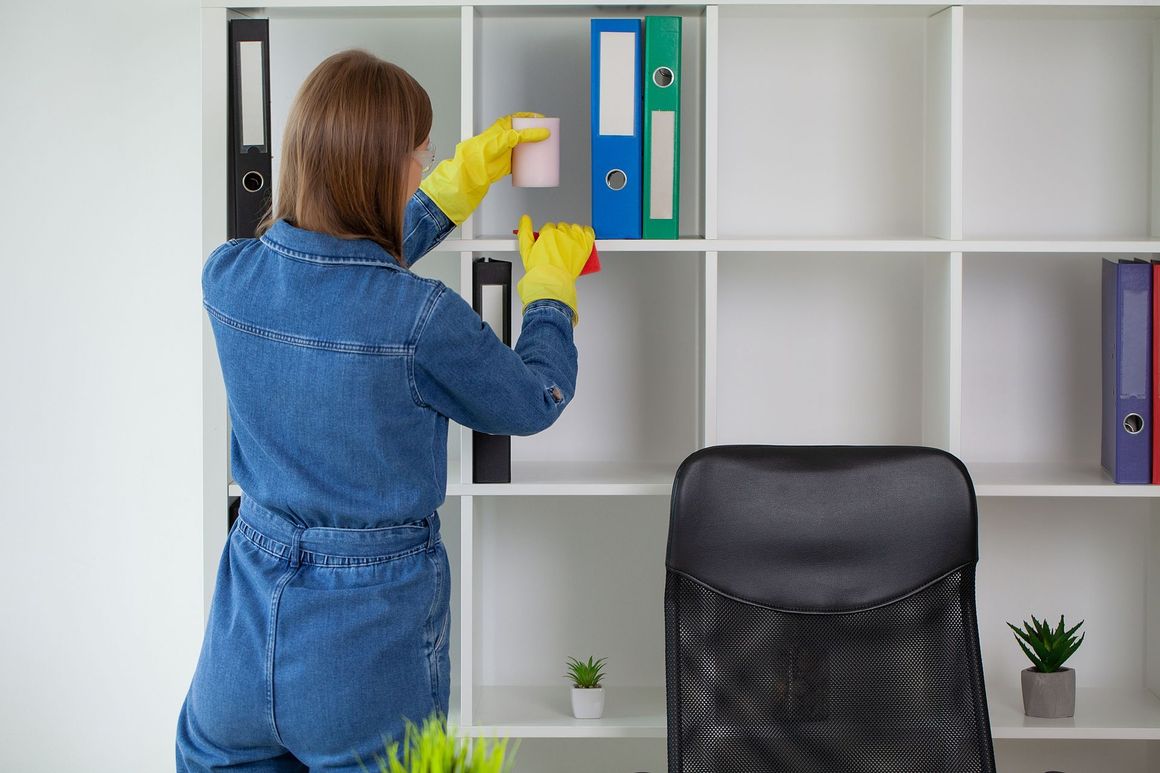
x=820, y=613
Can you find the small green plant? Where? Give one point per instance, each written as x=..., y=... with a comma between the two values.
x=1048, y=648
x=585, y=674
x=434, y=749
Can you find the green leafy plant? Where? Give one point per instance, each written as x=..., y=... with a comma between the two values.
x=433, y=748
x=586, y=674
x=1047, y=648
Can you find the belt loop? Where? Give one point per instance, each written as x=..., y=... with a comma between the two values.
x=429, y=520
x=294, y=546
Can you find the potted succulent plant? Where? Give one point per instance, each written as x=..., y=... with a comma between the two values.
x=587, y=692
x=433, y=748
x=1048, y=687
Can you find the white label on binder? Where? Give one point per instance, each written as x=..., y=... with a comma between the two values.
x=617, y=83
x=660, y=202
x=492, y=297
x=253, y=93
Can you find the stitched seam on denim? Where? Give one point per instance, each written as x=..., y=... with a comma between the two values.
x=320, y=558
x=313, y=558
x=439, y=637
x=407, y=236
x=432, y=656
x=550, y=307
x=275, y=601
x=420, y=327
x=438, y=217
x=434, y=450
x=393, y=350
x=337, y=259
x=257, y=539
x=357, y=560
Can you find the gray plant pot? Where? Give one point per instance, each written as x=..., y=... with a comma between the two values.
x=1050, y=696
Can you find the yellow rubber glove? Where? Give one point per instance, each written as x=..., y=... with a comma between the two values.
x=553, y=261
x=458, y=184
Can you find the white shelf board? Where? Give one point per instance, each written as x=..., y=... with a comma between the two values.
x=563, y=479
x=1100, y=714
x=1050, y=480
x=615, y=479
x=639, y=712
x=693, y=244
x=576, y=479
x=546, y=712
x=534, y=6
x=503, y=244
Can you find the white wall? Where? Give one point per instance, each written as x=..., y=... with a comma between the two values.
x=100, y=401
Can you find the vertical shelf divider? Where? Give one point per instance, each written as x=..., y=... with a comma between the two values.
x=466, y=611
x=712, y=59
x=943, y=219
x=955, y=363
x=708, y=301
x=467, y=32
x=708, y=334
x=943, y=199
x=955, y=360
x=214, y=149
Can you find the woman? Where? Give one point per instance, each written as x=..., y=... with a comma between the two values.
x=330, y=619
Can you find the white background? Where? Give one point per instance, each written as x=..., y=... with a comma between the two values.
x=100, y=390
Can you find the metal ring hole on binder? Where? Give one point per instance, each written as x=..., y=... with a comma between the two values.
x=1133, y=423
x=616, y=179
x=253, y=181
x=663, y=77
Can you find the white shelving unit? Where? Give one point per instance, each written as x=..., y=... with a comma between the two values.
x=892, y=221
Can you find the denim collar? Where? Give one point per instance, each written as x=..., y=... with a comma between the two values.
x=316, y=247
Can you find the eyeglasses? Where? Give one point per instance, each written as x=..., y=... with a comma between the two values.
x=425, y=157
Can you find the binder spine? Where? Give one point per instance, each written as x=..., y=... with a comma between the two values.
x=250, y=174
x=662, y=126
x=491, y=297
x=1127, y=368
x=617, y=149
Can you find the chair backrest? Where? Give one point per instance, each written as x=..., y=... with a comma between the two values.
x=820, y=613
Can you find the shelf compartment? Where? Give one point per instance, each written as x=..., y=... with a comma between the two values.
x=823, y=122
x=818, y=348
x=1059, y=124
x=1032, y=357
x=573, y=576
x=636, y=402
x=1086, y=559
x=423, y=41
x=539, y=62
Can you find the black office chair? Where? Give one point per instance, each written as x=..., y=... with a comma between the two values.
x=820, y=613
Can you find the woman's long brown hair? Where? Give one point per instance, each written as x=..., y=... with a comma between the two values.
x=347, y=149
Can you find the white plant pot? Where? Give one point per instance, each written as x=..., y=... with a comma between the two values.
x=587, y=702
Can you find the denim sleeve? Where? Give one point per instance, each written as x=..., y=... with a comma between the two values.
x=465, y=372
x=424, y=226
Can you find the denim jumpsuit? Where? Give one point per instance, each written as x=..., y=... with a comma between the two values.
x=330, y=617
